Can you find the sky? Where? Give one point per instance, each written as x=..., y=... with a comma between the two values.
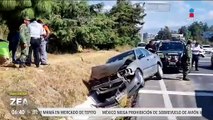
x=170, y=13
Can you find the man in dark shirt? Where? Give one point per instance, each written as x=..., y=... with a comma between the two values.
x=151, y=46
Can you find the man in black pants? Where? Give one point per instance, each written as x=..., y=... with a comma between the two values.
x=36, y=32
x=196, y=50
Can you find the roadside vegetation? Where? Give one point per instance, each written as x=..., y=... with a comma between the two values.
x=194, y=32
x=76, y=24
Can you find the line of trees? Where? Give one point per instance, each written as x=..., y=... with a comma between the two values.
x=194, y=31
x=77, y=24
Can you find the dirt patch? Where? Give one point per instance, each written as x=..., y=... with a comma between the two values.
x=59, y=84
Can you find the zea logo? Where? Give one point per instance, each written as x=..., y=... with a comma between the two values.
x=18, y=99
x=15, y=101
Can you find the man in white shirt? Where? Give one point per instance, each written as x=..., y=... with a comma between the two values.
x=196, y=50
x=36, y=33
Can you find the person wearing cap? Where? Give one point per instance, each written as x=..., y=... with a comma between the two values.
x=186, y=60
x=44, y=39
x=24, y=41
x=36, y=33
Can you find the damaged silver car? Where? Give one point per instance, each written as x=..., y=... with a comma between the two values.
x=123, y=75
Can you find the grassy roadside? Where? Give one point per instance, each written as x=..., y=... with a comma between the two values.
x=57, y=85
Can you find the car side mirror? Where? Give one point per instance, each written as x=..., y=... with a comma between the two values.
x=141, y=56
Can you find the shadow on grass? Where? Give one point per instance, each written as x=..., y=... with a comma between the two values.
x=9, y=65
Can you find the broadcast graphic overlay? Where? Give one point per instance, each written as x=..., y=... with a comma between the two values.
x=20, y=104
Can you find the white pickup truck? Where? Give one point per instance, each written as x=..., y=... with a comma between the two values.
x=207, y=49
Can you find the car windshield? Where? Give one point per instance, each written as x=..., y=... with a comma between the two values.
x=123, y=56
x=171, y=46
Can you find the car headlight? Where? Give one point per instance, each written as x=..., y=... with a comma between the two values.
x=125, y=72
x=168, y=57
x=172, y=58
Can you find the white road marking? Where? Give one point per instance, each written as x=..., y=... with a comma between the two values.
x=177, y=93
x=201, y=74
x=192, y=74
x=207, y=57
x=150, y=91
x=205, y=61
x=167, y=101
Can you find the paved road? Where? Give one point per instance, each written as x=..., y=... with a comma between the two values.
x=172, y=92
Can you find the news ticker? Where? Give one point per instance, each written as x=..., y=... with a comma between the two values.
x=20, y=105
x=119, y=112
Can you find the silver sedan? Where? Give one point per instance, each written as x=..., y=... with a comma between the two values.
x=123, y=74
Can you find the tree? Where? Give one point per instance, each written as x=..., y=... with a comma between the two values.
x=164, y=34
x=13, y=11
x=205, y=27
x=76, y=23
x=196, y=30
x=128, y=21
x=184, y=30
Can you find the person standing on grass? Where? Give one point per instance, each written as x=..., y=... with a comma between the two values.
x=43, y=46
x=24, y=42
x=13, y=38
x=36, y=33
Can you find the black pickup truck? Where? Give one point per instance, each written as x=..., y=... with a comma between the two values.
x=170, y=53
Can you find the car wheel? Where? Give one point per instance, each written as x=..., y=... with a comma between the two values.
x=140, y=75
x=159, y=74
x=211, y=63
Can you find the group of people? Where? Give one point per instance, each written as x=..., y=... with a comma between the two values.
x=191, y=55
x=32, y=37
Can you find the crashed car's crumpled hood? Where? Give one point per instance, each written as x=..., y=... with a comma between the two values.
x=106, y=69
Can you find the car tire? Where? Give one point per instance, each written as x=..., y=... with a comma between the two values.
x=159, y=74
x=139, y=73
x=211, y=63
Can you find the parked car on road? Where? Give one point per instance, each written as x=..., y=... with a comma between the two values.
x=207, y=49
x=123, y=73
x=170, y=53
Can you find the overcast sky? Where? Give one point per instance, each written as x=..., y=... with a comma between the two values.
x=174, y=15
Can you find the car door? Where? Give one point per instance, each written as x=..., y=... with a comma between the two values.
x=151, y=62
x=142, y=62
